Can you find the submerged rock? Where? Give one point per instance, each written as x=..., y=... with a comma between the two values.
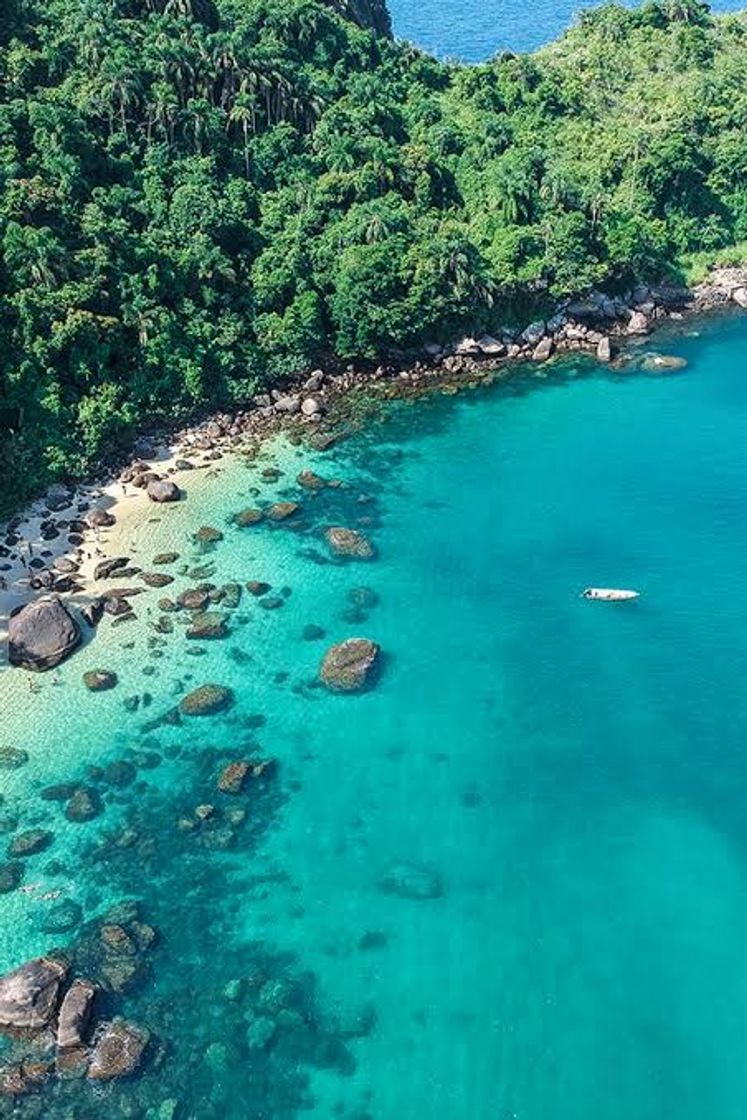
x=99, y=680
x=349, y=542
x=118, y=1050
x=412, y=880
x=248, y=517
x=206, y=700
x=654, y=363
x=350, y=666
x=12, y=758
x=311, y=481
x=10, y=876
x=62, y=917
x=257, y=587
x=280, y=511
x=84, y=805
x=28, y=995
x=207, y=625
x=208, y=535
x=166, y=558
x=41, y=635
x=30, y=843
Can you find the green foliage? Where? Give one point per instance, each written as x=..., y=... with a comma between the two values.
x=198, y=195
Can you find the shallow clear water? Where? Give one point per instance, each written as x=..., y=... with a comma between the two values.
x=574, y=772
x=475, y=30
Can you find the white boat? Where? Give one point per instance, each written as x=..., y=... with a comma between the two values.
x=609, y=594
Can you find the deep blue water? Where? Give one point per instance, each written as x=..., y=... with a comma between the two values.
x=575, y=773
x=474, y=30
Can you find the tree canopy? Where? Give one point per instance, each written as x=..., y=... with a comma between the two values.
x=199, y=195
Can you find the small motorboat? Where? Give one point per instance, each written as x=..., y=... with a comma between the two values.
x=609, y=594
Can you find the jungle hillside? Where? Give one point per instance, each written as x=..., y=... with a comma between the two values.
x=199, y=196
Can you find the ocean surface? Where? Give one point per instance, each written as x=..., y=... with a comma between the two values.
x=565, y=781
x=475, y=30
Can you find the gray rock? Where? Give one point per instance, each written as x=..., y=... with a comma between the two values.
x=310, y=406
x=638, y=323
x=29, y=843
x=99, y=680
x=604, y=349
x=534, y=333
x=490, y=347
x=75, y=1013
x=163, y=490
x=290, y=404
x=28, y=995
x=314, y=381
x=543, y=350
x=739, y=296
x=41, y=635
x=63, y=917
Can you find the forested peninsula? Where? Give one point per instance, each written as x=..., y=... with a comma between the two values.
x=200, y=196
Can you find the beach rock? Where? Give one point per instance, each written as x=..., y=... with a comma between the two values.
x=10, y=876
x=75, y=1013
x=118, y=1050
x=208, y=535
x=248, y=517
x=290, y=404
x=29, y=843
x=350, y=666
x=604, y=349
x=310, y=406
x=194, y=598
x=29, y=994
x=739, y=296
x=349, y=543
x=166, y=558
x=490, y=347
x=41, y=635
x=311, y=481
x=543, y=350
x=163, y=490
x=99, y=680
x=207, y=625
x=63, y=917
x=280, y=511
x=638, y=323
x=105, y=569
x=13, y=758
x=84, y=805
x=206, y=700
x=100, y=519
x=411, y=880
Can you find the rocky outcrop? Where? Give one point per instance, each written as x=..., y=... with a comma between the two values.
x=118, y=1050
x=349, y=543
x=350, y=666
x=41, y=635
x=29, y=994
x=75, y=1013
x=372, y=14
x=163, y=490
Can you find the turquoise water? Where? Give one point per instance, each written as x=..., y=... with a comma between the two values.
x=574, y=772
x=475, y=30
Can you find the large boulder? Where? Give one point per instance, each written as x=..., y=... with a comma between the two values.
x=163, y=490
x=118, y=1051
x=349, y=542
x=28, y=995
x=41, y=635
x=350, y=666
x=75, y=1013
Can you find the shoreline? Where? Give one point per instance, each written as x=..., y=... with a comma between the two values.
x=54, y=545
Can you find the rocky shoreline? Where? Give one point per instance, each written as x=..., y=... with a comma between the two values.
x=57, y=550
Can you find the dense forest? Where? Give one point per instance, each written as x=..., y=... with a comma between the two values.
x=199, y=195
